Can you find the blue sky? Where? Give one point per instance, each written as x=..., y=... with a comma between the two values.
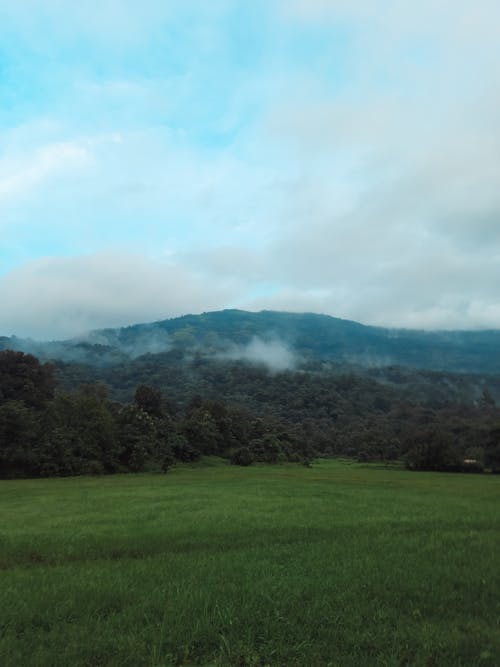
x=159, y=158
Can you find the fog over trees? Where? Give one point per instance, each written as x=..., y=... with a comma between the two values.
x=70, y=419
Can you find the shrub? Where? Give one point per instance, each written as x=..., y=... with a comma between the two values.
x=242, y=457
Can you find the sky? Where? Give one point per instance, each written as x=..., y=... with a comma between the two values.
x=167, y=157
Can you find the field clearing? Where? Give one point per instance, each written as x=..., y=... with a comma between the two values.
x=338, y=564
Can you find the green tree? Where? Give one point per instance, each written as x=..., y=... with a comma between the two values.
x=19, y=430
x=81, y=433
x=433, y=450
x=182, y=449
x=242, y=456
x=23, y=378
x=492, y=452
x=200, y=430
x=137, y=437
x=149, y=400
x=266, y=449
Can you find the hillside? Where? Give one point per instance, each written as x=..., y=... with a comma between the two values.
x=291, y=339
x=315, y=383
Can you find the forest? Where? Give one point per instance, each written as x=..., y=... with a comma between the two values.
x=59, y=419
x=308, y=337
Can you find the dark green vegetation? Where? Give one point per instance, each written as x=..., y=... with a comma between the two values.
x=232, y=409
x=44, y=433
x=342, y=564
x=339, y=564
x=312, y=337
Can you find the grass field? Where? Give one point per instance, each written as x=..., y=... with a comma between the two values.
x=338, y=564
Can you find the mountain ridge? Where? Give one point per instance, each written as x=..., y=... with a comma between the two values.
x=309, y=336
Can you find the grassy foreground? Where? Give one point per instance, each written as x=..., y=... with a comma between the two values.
x=339, y=564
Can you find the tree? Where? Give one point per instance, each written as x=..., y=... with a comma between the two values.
x=149, y=400
x=433, y=450
x=80, y=433
x=266, y=449
x=26, y=387
x=23, y=378
x=241, y=457
x=138, y=438
x=492, y=453
x=201, y=431
x=181, y=449
x=19, y=429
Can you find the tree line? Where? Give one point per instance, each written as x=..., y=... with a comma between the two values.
x=56, y=421
x=46, y=432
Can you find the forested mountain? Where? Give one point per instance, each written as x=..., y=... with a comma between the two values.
x=292, y=339
x=249, y=386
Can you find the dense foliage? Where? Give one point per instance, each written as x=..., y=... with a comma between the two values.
x=169, y=407
x=311, y=337
x=48, y=433
x=333, y=410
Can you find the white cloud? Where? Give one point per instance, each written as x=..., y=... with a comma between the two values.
x=273, y=353
x=363, y=182
x=19, y=175
x=62, y=297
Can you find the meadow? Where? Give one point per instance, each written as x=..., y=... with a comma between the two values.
x=338, y=564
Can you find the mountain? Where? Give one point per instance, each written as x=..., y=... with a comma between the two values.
x=328, y=385
x=285, y=338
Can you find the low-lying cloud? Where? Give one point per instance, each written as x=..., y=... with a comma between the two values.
x=275, y=354
x=350, y=167
x=147, y=341
x=56, y=298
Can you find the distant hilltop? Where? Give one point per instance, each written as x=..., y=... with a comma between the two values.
x=279, y=339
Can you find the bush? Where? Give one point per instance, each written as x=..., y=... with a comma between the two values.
x=433, y=450
x=242, y=457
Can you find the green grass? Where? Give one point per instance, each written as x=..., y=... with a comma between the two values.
x=340, y=564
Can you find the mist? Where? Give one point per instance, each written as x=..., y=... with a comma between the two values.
x=96, y=348
x=275, y=354
x=149, y=341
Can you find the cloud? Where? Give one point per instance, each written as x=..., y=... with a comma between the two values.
x=146, y=341
x=321, y=155
x=395, y=218
x=19, y=176
x=274, y=354
x=64, y=297
x=111, y=23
